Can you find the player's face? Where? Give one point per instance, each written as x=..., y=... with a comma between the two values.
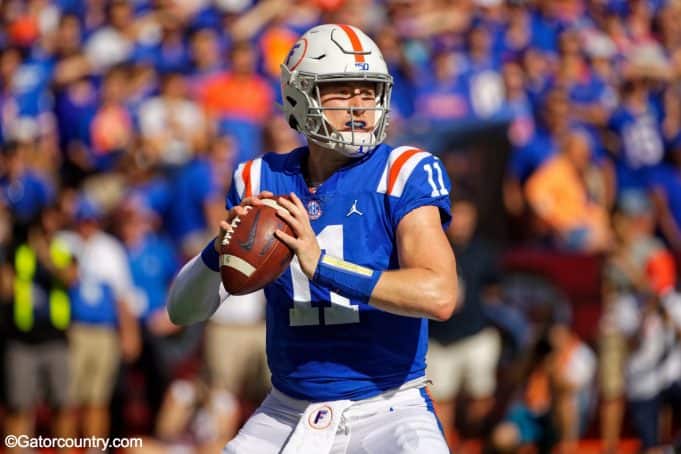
x=351, y=102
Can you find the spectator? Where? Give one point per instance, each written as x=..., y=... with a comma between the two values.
x=485, y=84
x=591, y=99
x=612, y=355
x=111, y=130
x=172, y=126
x=191, y=419
x=442, y=98
x=195, y=196
x=464, y=351
x=558, y=195
x=170, y=54
x=236, y=358
x=205, y=52
x=636, y=123
x=113, y=43
x=554, y=403
x=65, y=49
x=22, y=190
x=666, y=192
x=278, y=137
x=521, y=129
x=240, y=100
x=75, y=106
x=103, y=328
x=518, y=33
x=153, y=263
x=37, y=310
x=552, y=125
x=642, y=271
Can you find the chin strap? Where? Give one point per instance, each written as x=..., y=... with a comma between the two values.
x=347, y=148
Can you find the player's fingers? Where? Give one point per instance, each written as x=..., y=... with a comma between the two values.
x=299, y=204
x=287, y=239
x=265, y=195
x=297, y=201
x=252, y=201
x=240, y=210
x=291, y=221
x=290, y=206
x=297, y=210
x=225, y=226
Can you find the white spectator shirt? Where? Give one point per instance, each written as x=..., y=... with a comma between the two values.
x=581, y=367
x=106, y=48
x=156, y=114
x=102, y=258
x=656, y=362
x=177, y=119
x=240, y=309
x=642, y=368
x=670, y=369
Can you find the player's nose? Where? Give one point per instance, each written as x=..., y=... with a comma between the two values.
x=356, y=108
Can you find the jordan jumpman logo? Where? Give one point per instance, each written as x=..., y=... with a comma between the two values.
x=354, y=210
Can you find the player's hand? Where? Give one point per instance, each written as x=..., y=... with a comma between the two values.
x=304, y=244
x=239, y=210
x=256, y=200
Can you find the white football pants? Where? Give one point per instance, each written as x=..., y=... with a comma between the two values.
x=395, y=422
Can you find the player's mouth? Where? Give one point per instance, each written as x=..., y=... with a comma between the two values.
x=356, y=125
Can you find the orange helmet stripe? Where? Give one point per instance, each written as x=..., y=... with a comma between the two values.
x=356, y=43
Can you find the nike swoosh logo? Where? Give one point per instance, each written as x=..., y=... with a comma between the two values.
x=270, y=242
x=248, y=245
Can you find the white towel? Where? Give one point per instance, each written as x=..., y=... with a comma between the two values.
x=316, y=429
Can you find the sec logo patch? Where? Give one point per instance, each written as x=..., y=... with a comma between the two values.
x=314, y=209
x=320, y=418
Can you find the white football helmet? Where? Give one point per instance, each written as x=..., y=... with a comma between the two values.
x=331, y=53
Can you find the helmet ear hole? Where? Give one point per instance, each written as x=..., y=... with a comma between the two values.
x=292, y=122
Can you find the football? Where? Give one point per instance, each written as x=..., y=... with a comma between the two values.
x=251, y=255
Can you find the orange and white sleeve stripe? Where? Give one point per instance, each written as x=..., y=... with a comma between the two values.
x=247, y=178
x=401, y=164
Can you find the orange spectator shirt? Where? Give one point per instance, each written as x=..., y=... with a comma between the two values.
x=558, y=196
x=244, y=97
x=275, y=44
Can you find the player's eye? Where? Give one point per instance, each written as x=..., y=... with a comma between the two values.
x=368, y=94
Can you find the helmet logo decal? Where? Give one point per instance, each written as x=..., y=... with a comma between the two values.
x=302, y=42
x=362, y=66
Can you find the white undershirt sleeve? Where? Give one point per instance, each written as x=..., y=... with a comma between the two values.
x=194, y=294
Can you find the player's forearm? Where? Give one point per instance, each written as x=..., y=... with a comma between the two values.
x=193, y=295
x=416, y=292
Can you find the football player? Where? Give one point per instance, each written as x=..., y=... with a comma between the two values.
x=347, y=322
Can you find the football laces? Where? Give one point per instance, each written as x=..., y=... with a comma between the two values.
x=235, y=222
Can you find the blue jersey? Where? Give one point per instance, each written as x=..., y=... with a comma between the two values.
x=320, y=344
x=667, y=178
x=642, y=146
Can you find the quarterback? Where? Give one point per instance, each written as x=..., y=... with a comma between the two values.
x=347, y=322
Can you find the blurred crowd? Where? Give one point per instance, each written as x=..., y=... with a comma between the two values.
x=121, y=123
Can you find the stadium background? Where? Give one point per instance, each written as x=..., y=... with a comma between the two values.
x=133, y=115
